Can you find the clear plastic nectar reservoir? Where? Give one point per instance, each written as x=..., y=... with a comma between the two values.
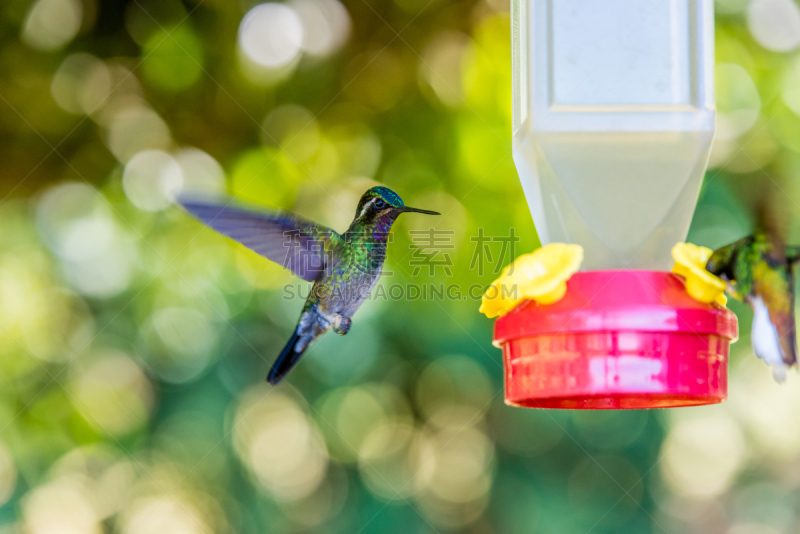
x=613, y=121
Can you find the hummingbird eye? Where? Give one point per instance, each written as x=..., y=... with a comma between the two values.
x=380, y=203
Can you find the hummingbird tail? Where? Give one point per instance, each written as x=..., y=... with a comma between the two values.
x=286, y=359
x=312, y=325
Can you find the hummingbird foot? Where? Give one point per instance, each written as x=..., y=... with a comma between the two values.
x=341, y=325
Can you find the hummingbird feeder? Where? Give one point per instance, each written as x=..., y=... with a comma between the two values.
x=613, y=116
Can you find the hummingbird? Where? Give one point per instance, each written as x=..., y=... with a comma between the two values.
x=343, y=267
x=760, y=269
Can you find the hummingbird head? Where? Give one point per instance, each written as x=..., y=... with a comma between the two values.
x=382, y=204
x=719, y=263
x=722, y=261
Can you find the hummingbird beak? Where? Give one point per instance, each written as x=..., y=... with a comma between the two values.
x=415, y=210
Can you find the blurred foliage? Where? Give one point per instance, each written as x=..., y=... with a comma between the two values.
x=134, y=342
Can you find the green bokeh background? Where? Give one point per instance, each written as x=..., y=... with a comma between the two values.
x=134, y=342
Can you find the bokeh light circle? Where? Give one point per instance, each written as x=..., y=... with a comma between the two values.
x=703, y=455
x=51, y=24
x=738, y=109
x=63, y=505
x=271, y=35
x=179, y=343
x=200, y=171
x=280, y=445
x=113, y=395
x=294, y=129
x=326, y=25
x=134, y=128
x=82, y=84
x=151, y=179
x=775, y=24
x=77, y=224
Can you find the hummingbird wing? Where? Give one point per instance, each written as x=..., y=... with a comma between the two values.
x=765, y=338
x=764, y=273
x=774, y=330
x=295, y=243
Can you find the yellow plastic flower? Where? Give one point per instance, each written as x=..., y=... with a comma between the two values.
x=541, y=276
x=690, y=262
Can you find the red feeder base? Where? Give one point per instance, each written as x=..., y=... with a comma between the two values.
x=618, y=339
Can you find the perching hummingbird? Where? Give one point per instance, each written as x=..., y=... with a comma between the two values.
x=760, y=269
x=344, y=268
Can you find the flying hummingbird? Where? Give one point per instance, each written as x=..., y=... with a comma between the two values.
x=760, y=269
x=344, y=268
